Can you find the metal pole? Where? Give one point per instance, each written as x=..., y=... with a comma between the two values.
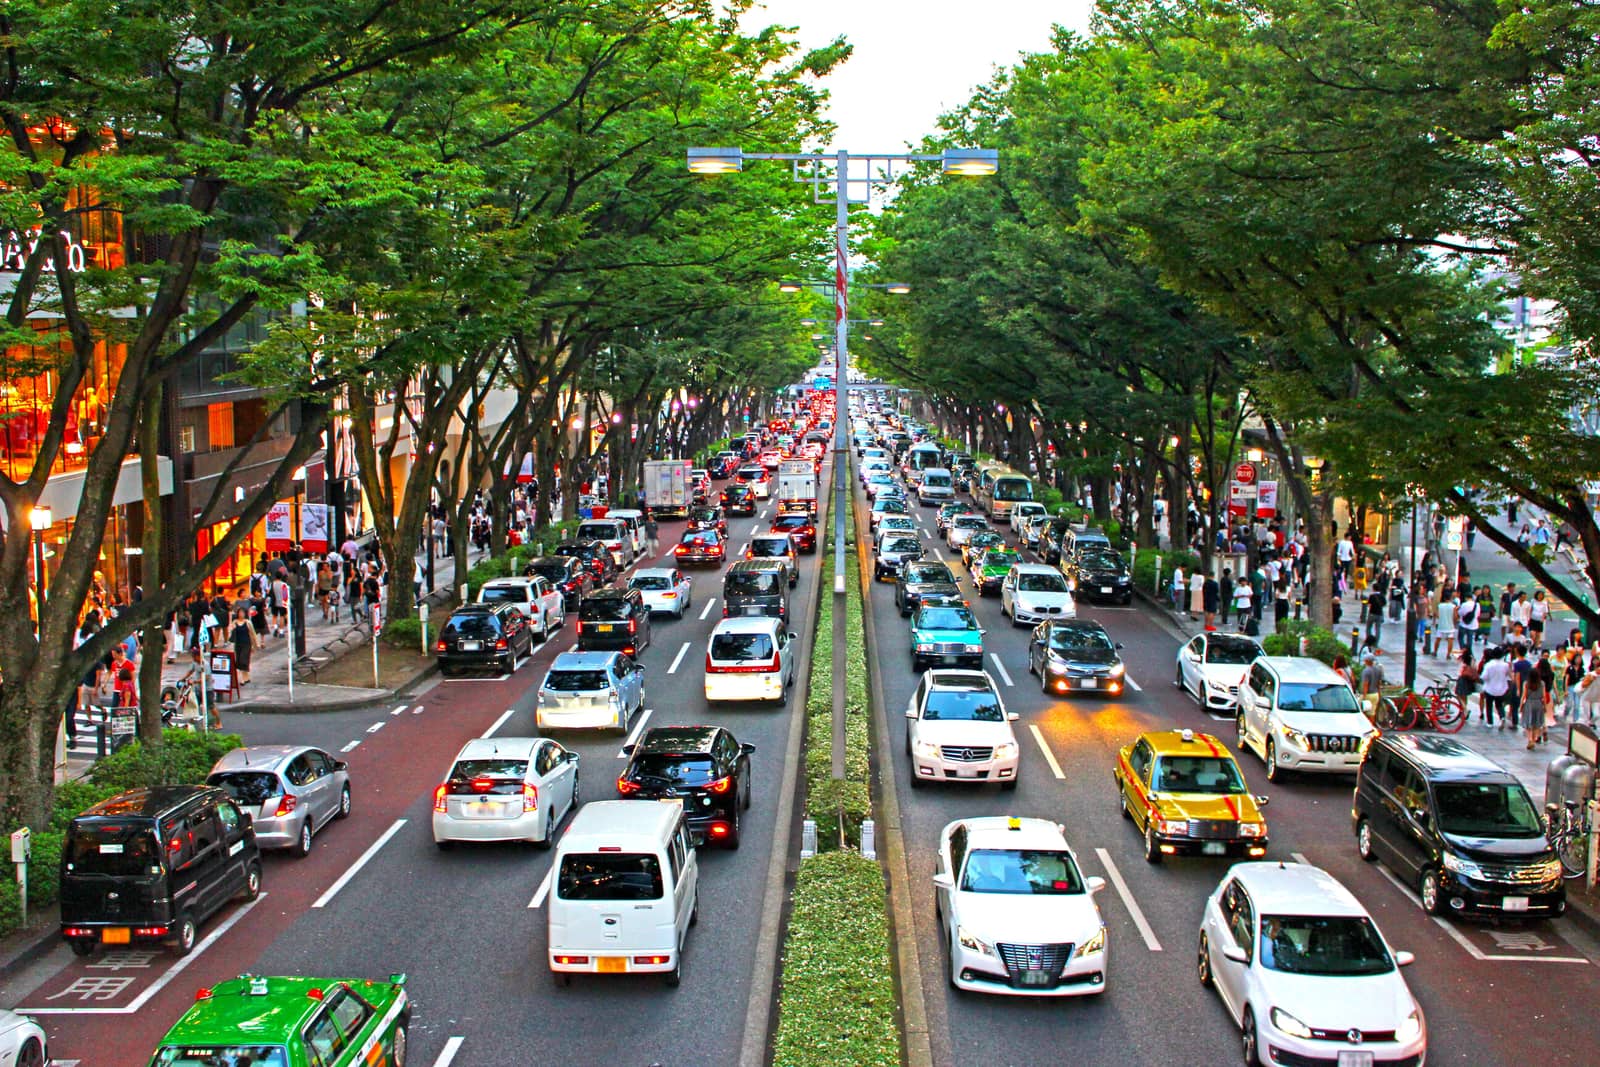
x=288, y=646
x=1411, y=606
x=38, y=572
x=841, y=411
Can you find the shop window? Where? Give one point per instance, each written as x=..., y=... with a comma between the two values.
x=219, y=419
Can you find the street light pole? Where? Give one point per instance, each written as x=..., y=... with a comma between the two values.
x=1411, y=605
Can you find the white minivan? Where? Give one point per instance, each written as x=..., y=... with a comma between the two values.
x=625, y=892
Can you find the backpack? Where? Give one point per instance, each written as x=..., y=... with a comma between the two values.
x=1468, y=615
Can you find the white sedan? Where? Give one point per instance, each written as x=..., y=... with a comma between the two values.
x=1211, y=666
x=506, y=789
x=666, y=590
x=1304, y=972
x=1017, y=913
x=1034, y=592
x=22, y=1041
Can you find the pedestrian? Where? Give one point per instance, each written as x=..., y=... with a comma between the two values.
x=1496, y=675
x=1551, y=679
x=1521, y=667
x=1572, y=672
x=244, y=643
x=1210, y=596
x=1397, y=599
x=1531, y=693
x=1507, y=598
x=1345, y=554
x=1197, y=597
x=1241, y=603
x=324, y=588
x=1589, y=687
x=1467, y=684
x=652, y=535
x=1485, y=613
x=1371, y=675
x=1467, y=623
x=352, y=593
x=1225, y=595
x=1471, y=532
x=1376, y=600
x=1444, y=628
x=416, y=581
x=1538, y=615
x=1342, y=669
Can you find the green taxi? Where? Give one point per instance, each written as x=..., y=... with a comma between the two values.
x=291, y=1022
x=976, y=545
x=944, y=631
x=992, y=568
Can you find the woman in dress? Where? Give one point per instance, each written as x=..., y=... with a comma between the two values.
x=243, y=636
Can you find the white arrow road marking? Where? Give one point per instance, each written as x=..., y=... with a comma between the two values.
x=375, y=727
x=355, y=868
x=1139, y=920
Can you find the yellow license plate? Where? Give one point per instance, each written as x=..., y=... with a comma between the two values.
x=604, y=627
x=116, y=935
x=612, y=965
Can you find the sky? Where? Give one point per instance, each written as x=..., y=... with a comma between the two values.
x=915, y=60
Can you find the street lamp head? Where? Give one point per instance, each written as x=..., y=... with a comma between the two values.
x=715, y=160
x=789, y=287
x=1254, y=455
x=616, y=419
x=897, y=288
x=299, y=474
x=40, y=518
x=971, y=162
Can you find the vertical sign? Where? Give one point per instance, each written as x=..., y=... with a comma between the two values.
x=280, y=531
x=1266, y=499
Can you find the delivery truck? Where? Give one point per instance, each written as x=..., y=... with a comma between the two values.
x=668, y=488
x=797, y=486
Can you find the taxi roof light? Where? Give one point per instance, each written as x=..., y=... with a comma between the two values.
x=1013, y=823
x=258, y=987
x=1187, y=735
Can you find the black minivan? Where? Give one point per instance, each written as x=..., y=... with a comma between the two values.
x=1457, y=826
x=614, y=620
x=152, y=865
x=756, y=587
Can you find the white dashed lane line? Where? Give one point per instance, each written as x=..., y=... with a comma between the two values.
x=543, y=890
x=678, y=658
x=633, y=735
x=1132, y=905
x=501, y=721
x=1049, y=757
x=355, y=868
x=1001, y=667
x=375, y=727
x=707, y=609
x=447, y=1055
x=351, y=746
x=397, y=711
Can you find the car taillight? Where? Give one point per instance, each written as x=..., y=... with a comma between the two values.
x=286, y=804
x=625, y=787
x=440, y=647
x=500, y=645
x=680, y=550
x=482, y=784
x=438, y=798
x=633, y=625
x=721, y=785
x=652, y=961
x=530, y=797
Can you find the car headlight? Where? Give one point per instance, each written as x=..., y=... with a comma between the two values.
x=1410, y=1027
x=1293, y=736
x=1220, y=688
x=1094, y=945
x=1006, y=750
x=1465, y=868
x=1252, y=829
x=972, y=943
x=928, y=748
x=1172, y=826
x=924, y=647
x=1118, y=670
x=1549, y=869
x=1289, y=1024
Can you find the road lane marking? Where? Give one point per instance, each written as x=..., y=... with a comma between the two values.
x=1461, y=939
x=1001, y=667
x=417, y=710
x=633, y=735
x=501, y=721
x=1135, y=686
x=744, y=547
x=707, y=609
x=939, y=555
x=398, y=711
x=160, y=983
x=678, y=658
x=1300, y=857
x=350, y=746
x=1121, y=887
x=1049, y=757
x=543, y=890
x=447, y=1054
x=355, y=868
x=375, y=727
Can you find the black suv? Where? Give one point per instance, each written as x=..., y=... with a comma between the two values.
x=703, y=766
x=1101, y=574
x=1457, y=826
x=923, y=578
x=738, y=500
x=1050, y=539
x=152, y=864
x=567, y=573
x=483, y=635
x=594, y=554
x=614, y=620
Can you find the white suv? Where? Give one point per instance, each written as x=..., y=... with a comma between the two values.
x=958, y=730
x=540, y=602
x=1297, y=714
x=750, y=658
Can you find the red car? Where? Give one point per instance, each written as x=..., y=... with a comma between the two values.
x=801, y=530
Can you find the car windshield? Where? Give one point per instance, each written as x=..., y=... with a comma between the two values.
x=1232, y=650
x=466, y=770
x=946, y=619
x=738, y=646
x=1098, y=559
x=1323, y=945
x=247, y=787
x=1197, y=774
x=969, y=522
x=902, y=544
x=576, y=681
x=219, y=1056
x=705, y=515
x=1013, y=489
x=604, y=608
x=1034, y=872
x=599, y=531
x=940, y=481
x=928, y=572
x=609, y=876
x=1041, y=583
x=671, y=768
x=962, y=705
x=1486, y=809
x=112, y=849
x=1077, y=639
x=793, y=522
x=1317, y=696
x=503, y=594
x=702, y=539
x=650, y=582
x=480, y=625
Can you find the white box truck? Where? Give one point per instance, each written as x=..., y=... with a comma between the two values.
x=797, y=486
x=668, y=488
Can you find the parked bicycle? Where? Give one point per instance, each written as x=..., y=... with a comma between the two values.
x=1567, y=829
x=1437, y=706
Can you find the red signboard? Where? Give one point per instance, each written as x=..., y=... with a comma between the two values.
x=1245, y=474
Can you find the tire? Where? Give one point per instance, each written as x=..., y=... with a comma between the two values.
x=344, y=804
x=694, y=909
x=302, y=843
x=1122, y=799
x=31, y=1055
x=398, y=1055
x=916, y=779
x=1152, y=851
x=1274, y=772
x=1428, y=892
x=561, y=978
x=186, y=935
x=1177, y=678
x=916, y=663
x=1202, y=967
x=748, y=789
x=1396, y=715
x=576, y=802
x=1452, y=715
x=81, y=947
x=444, y=846
x=675, y=976
x=1364, y=841
x=252, y=881
x=1244, y=733
x=1247, y=1040
x=732, y=841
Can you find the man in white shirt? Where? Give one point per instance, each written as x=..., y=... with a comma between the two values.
x=1346, y=554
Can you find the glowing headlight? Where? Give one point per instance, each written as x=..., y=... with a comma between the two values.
x=1094, y=945
x=1410, y=1027
x=1293, y=736
x=923, y=646
x=1289, y=1024
x=1118, y=670
x=1006, y=750
x=973, y=944
x=928, y=748
x=1465, y=868
x=1252, y=829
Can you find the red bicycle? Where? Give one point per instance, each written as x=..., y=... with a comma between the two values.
x=1438, y=706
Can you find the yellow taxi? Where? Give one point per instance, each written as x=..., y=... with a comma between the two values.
x=1184, y=791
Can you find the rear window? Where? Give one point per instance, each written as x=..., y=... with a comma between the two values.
x=603, y=608
x=770, y=546
x=902, y=544
x=650, y=581
x=474, y=625
x=599, y=531
x=736, y=646
x=503, y=594
x=576, y=681
x=672, y=768
x=112, y=849
x=750, y=583
x=219, y=1056
x=609, y=876
x=555, y=572
x=248, y=787
x=467, y=769
x=936, y=481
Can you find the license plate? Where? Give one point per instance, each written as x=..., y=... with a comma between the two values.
x=619, y=965
x=604, y=628
x=1105, y=590
x=753, y=611
x=1034, y=978
x=1089, y=683
x=471, y=646
x=1355, y=1059
x=1213, y=848
x=116, y=935
x=483, y=808
x=1514, y=903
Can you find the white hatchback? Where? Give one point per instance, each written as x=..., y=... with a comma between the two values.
x=540, y=602
x=750, y=658
x=506, y=789
x=1304, y=972
x=666, y=590
x=1019, y=916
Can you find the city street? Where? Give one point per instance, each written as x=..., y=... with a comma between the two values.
x=375, y=896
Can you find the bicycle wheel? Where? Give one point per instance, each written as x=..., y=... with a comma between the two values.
x=1449, y=714
x=1395, y=715
x=1571, y=844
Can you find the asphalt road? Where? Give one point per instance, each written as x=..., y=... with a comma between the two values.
x=464, y=925
x=1480, y=1011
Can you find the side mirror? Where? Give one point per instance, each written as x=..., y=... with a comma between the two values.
x=747, y=749
x=1012, y=716
x=1261, y=800
x=339, y=765
x=1404, y=959
x=1094, y=883
x=570, y=757
x=944, y=881
x=246, y=819
x=982, y=631
x=793, y=636
x=1235, y=953
x=1119, y=646
x=627, y=750
x=1421, y=815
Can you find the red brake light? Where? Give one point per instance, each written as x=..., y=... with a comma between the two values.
x=572, y=959
x=580, y=626
x=482, y=784
x=719, y=829
x=500, y=645
x=722, y=785
x=286, y=804
x=530, y=797
x=438, y=798
x=651, y=960
x=633, y=625
x=203, y=993
x=440, y=646
x=625, y=787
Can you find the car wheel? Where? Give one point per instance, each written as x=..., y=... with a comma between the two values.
x=674, y=976
x=1044, y=682
x=31, y=1055
x=562, y=978
x=184, y=937
x=916, y=779
x=916, y=662
x=731, y=842
x=1364, y=841
x=1428, y=891
x=748, y=789
x=1247, y=1039
x=543, y=843
x=81, y=947
x=444, y=846
x=1152, y=850
x=302, y=844
x=1274, y=772
x=1244, y=734
x=694, y=909
x=252, y=881
x=1177, y=678
x=344, y=804
x=1122, y=799
x=397, y=1047
x=1202, y=967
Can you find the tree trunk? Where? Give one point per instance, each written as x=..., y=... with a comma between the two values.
x=153, y=641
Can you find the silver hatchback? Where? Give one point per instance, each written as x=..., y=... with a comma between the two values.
x=290, y=791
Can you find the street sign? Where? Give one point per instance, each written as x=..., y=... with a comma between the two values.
x=1245, y=474
x=377, y=621
x=822, y=383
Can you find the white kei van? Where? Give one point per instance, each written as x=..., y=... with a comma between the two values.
x=625, y=893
